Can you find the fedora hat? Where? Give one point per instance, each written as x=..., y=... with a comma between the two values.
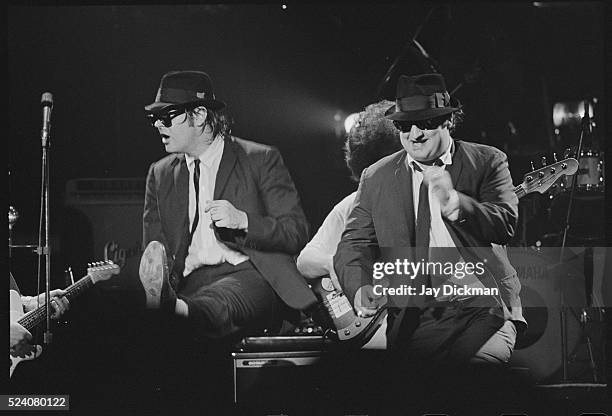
x=185, y=87
x=420, y=97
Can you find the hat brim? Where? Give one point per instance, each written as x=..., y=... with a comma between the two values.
x=417, y=115
x=159, y=106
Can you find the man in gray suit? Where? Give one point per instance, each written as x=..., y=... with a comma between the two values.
x=436, y=193
x=225, y=214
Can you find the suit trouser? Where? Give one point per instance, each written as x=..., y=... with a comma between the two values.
x=459, y=333
x=436, y=367
x=225, y=299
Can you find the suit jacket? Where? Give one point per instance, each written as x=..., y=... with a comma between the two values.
x=255, y=180
x=383, y=216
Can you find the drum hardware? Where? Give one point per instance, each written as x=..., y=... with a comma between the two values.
x=583, y=318
x=545, y=284
x=590, y=177
x=540, y=275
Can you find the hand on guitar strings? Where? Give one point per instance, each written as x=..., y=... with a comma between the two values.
x=366, y=302
x=59, y=303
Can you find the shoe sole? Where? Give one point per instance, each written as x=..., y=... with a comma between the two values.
x=151, y=271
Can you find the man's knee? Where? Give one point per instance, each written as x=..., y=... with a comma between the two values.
x=498, y=348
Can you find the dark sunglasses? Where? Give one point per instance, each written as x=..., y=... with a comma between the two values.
x=429, y=124
x=165, y=116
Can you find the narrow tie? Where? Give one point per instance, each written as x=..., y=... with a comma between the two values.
x=423, y=221
x=196, y=185
x=423, y=226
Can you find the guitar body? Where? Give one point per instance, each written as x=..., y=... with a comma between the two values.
x=16, y=312
x=350, y=329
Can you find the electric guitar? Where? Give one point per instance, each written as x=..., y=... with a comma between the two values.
x=347, y=327
x=96, y=273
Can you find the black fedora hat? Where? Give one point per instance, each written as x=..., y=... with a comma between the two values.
x=185, y=87
x=420, y=97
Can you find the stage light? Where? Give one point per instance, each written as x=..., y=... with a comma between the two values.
x=569, y=112
x=284, y=7
x=350, y=121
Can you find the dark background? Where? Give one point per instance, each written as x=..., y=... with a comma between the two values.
x=286, y=74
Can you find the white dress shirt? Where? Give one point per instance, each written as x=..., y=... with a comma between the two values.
x=205, y=249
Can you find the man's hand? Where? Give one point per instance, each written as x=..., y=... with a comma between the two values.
x=59, y=303
x=366, y=303
x=19, y=339
x=439, y=181
x=441, y=185
x=224, y=214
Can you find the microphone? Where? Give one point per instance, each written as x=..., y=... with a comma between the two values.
x=46, y=102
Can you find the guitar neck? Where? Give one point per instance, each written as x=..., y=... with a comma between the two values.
x=36, y=316
x=520, y=191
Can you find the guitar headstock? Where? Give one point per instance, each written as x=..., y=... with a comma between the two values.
x=541, y=179
x=102, y=270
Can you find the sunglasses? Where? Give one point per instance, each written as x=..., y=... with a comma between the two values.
x=165, y=116
x=429, y=124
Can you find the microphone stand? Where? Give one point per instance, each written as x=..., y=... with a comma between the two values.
x=584, y=131
x=44, y=250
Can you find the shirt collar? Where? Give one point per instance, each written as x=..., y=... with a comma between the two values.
x=446, y=158
x=209, y=155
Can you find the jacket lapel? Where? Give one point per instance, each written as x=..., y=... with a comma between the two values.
x=456, y=167
x=228, y=160
x=181, y=185
x=179, y=210
x=403, y=184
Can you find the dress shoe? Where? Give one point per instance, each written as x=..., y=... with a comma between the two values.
x=154, y=275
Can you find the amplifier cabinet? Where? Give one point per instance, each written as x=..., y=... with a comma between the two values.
x=277, y=380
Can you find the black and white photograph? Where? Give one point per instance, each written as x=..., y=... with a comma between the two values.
x=286, y=208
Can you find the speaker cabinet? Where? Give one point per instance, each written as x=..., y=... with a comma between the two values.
x=276, y=380
x=109, y=213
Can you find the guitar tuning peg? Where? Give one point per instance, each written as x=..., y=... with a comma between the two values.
x=555, y=157
x=543, y=161
x=532, y=167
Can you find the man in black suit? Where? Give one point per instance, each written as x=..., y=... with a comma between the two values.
x=226, y=215
x=436, y=193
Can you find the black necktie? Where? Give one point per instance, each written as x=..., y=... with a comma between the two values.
x=423, y=221
x=175, y=277
x=196, y=185
x=423, y=226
